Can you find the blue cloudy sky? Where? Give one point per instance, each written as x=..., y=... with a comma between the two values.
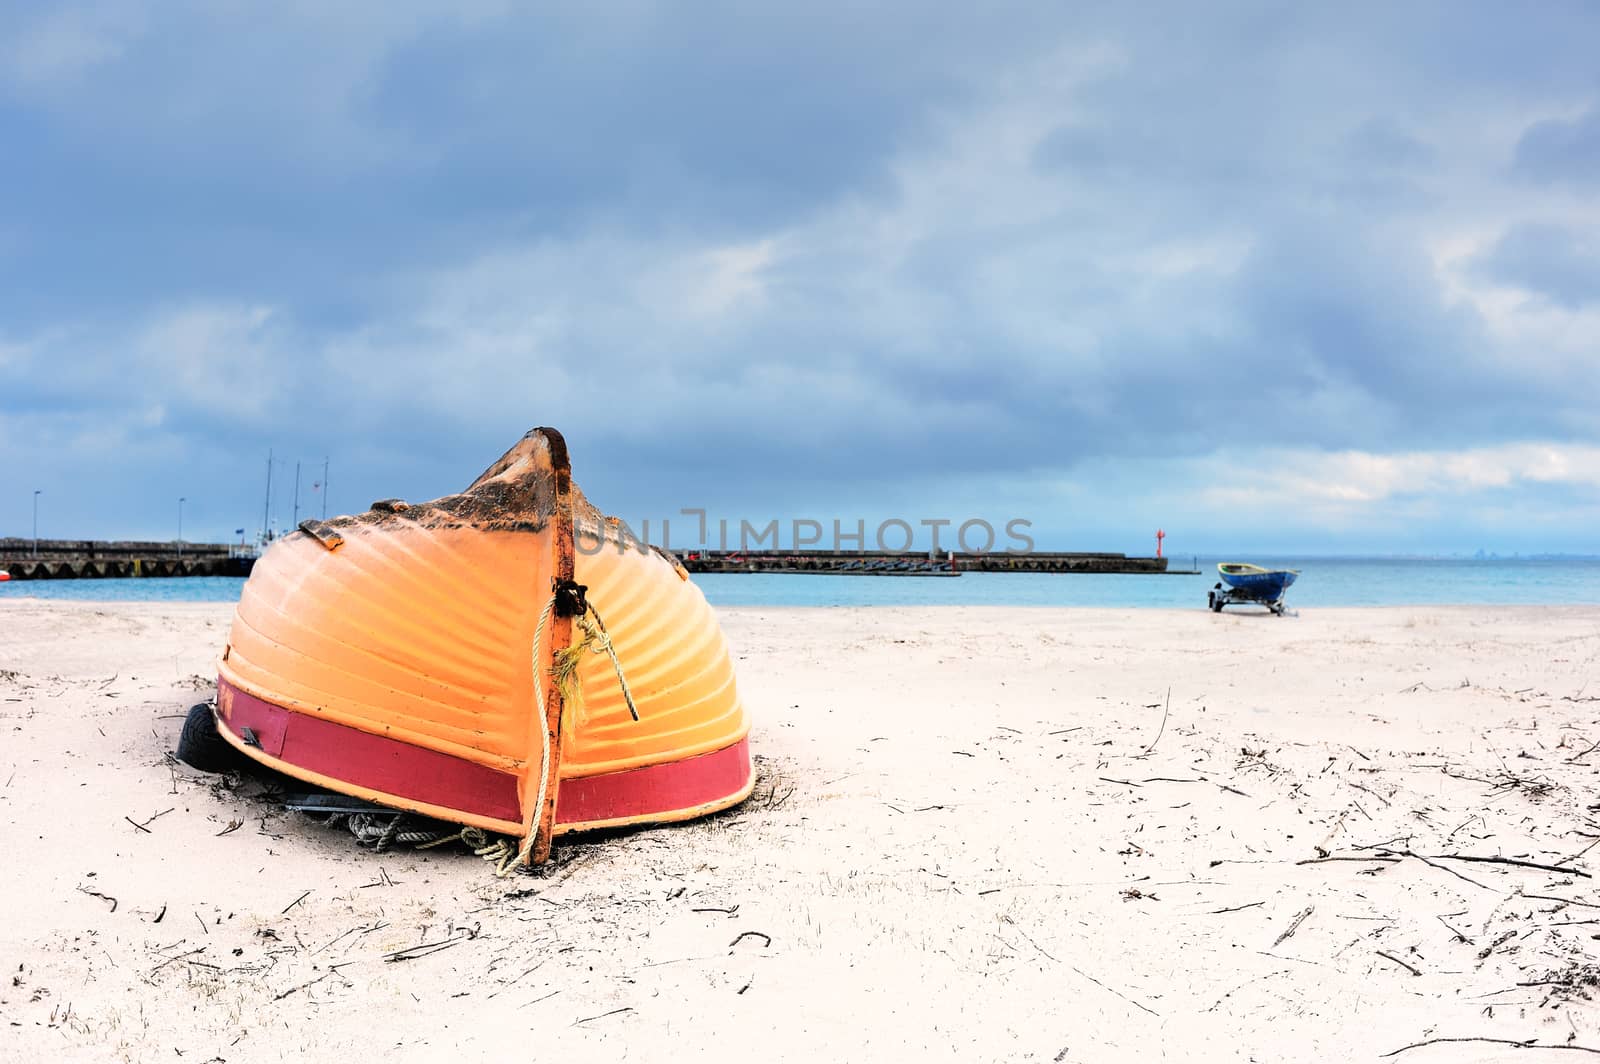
x=1319, y=280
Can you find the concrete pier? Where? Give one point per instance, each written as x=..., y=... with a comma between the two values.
x=871, y=563
x=65, y=559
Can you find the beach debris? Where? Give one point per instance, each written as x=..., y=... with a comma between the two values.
x=1111, y=990
x=1577, y=981
x=1391, y=957
x=1502, y=939
x=333, y=970
x=102, y=897
x=1166, y=709
x=772, y=790
x=178, y=957
x=1294, y=926
x=422, y=949
x=1459, y=937
x=1383, y=854
x=1527, y=1043
x=1573, y=760
x=145, y=827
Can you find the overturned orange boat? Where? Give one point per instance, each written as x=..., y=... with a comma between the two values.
x=506, y=658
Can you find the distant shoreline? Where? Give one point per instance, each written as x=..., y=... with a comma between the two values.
x=1324, y=584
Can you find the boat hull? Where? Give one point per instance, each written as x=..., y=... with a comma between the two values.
x=409, y=656
x=1267, y=586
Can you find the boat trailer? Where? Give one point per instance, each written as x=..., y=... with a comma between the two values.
x=1220, y=596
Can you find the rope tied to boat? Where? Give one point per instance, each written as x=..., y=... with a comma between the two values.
x=596, y=640
x=564, y=671
x=526, y=849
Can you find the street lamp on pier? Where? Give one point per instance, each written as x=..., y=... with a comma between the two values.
x=181, y=501
x=36, y=494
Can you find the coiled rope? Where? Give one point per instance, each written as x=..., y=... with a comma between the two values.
x=382, y=831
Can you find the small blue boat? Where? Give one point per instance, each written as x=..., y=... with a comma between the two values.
x=1251, y=583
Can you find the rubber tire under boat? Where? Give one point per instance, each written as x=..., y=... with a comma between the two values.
x=199, y=745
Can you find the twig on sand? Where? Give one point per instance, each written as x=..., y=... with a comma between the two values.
x=1369, y=790
x=603, y=1015
x=766, y=939
x=1397, y=960
x=1564, y=901
x=512, y=982
x=1395, y=855
x=1384, y=845
x=1161, y=730
x=422, y=949
x=1236, y=908
x=102, y=897
x=541, y=997
x=1201, y=779
x=336, y=938
x=1293, y=926
x=297, y=901
x=145, y=827
x=174, y=959
x=312, y=982
x=1574, y=759
x=1444, y=868
x=1046, y=954
x=1530, y=1043
x=1563, y=869
x=1112, y=990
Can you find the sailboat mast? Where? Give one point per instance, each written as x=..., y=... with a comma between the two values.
x=266, y=511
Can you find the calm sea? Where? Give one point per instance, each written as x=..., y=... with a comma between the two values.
x=1323, y=582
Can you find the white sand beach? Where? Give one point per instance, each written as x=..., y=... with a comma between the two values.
x=980, y=834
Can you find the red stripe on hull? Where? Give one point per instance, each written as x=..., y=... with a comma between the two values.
x=372, y=761
x=640, y=793
x=379, y=763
